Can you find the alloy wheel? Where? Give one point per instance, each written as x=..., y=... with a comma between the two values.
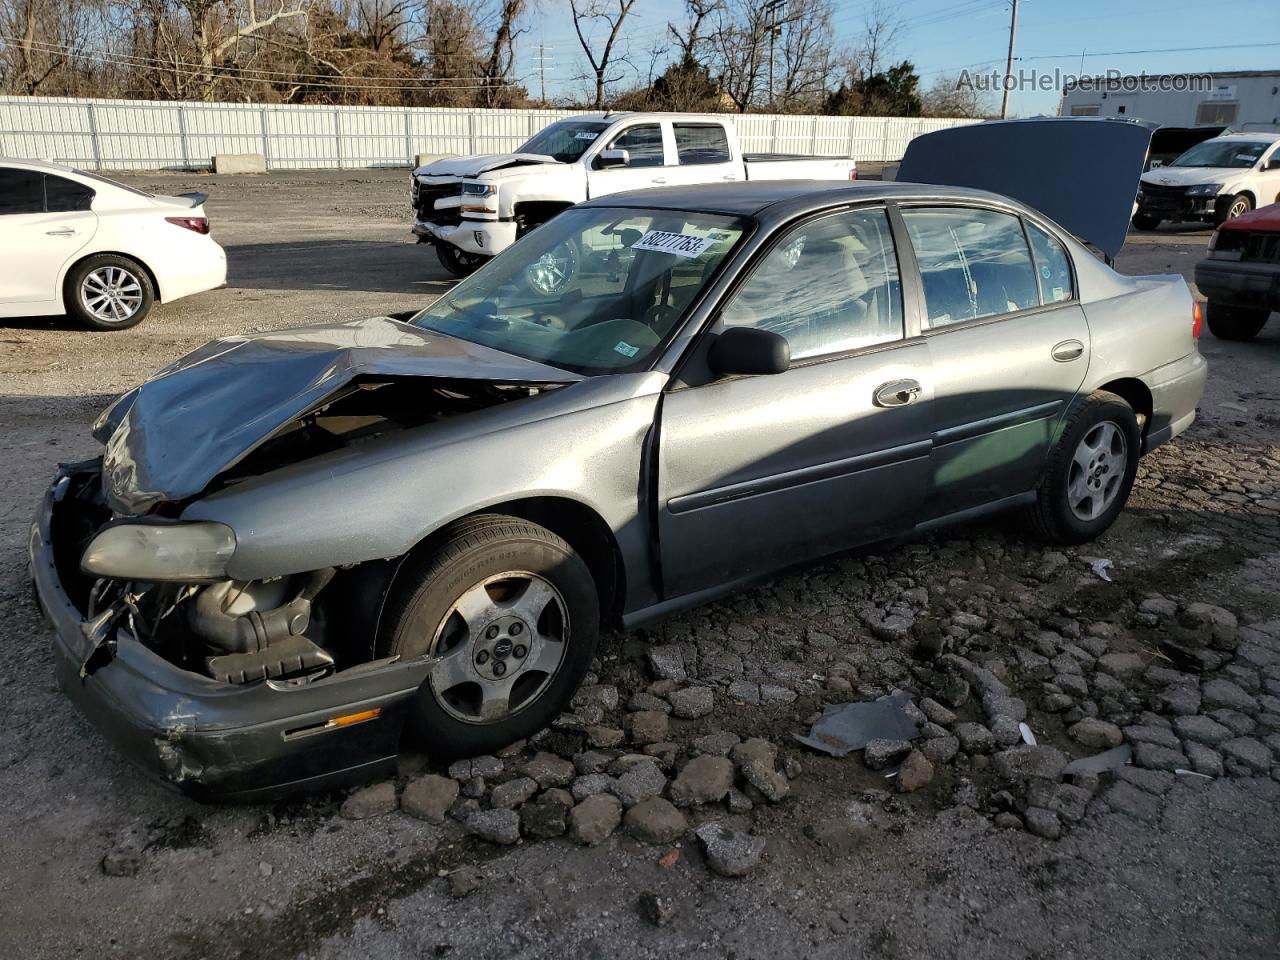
x=1097, y=470
x=1238, y=209
x=552, y=272
x=498, y=647
x=111, y=294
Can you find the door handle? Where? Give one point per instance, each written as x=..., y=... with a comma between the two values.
x=63, y=232
x=897, y=393
x=658, y=180
x=1067, y=350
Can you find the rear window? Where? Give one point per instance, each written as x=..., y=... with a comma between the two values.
x=701, y=143
x=21, y=191
x=1053, y=269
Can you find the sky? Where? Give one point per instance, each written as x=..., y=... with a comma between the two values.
x=942, y=37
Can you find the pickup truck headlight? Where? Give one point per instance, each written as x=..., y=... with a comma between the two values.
x=474, y=188
x=1204, y=190
x=185, y=552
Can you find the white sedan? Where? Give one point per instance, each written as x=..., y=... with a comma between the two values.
x=75, y=243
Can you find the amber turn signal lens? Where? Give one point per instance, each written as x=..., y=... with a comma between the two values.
x=351, y=718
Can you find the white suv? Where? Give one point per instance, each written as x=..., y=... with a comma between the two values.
x=1214, y=181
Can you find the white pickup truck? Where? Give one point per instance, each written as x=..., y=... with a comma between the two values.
x=472, y=208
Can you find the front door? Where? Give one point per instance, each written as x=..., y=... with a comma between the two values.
x=646, y=160
x=1008, y=347
x=755, y=473
x=37, y=238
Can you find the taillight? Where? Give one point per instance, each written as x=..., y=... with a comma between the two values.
x=853, y=174
x=1197, y=320
x=198, y=224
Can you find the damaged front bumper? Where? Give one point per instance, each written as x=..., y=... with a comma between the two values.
x=485, y=237
x=209, y=739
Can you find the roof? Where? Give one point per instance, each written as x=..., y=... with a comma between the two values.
x=47, y=165
x=786, y=197
x=1102, y=82
x=1249, y=135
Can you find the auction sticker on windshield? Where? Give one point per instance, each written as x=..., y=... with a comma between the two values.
x=681, y=244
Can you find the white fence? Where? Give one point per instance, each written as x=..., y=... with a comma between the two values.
x=154, y=134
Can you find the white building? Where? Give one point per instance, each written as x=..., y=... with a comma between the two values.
x=1246, y=99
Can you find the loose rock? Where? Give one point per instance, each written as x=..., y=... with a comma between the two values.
x=496, y=826
x=704, y=779
x=729, y=852
x=371, y=801
x=429, y=797
x=655, y=821
x=595, y=818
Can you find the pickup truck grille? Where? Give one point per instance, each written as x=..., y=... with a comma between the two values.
x=425, y=197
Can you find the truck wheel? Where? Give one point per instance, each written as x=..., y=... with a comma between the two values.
x=1238, y=206
x=1235, y=323
x=1145, y=221
x=108, y=292
x=1089, y=473
x=458, y=262
x=554, y=272
x=510, y=614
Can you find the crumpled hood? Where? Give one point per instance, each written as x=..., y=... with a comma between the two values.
x=481, y=163
x=1186, y=176
x=166, y=439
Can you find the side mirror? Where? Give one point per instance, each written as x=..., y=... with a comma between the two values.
x=747, y=351
x=612, y=158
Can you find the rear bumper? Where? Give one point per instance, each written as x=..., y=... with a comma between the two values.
x=213, y=740
x=485, y=237
x=1240, y=284
x=1176, y=389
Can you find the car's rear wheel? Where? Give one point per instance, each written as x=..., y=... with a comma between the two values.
x=1234, y=323
x=509, y=615
x=458, y=262
x=1145, y=221
x=1237, y=206
x=1090, y=471
x=108, y=292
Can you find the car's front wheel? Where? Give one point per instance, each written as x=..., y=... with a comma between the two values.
x=458, y=262
x=108, y=292
x=1234, y=323
x=1145, y=221
x=1090, y=471
x=508, y=613
x=1236, y=206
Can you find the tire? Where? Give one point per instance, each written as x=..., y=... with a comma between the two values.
x=1234, y=323
x=469, y=603
x=1237, y=206
x=108, y=292
x=1080, y=496
x=1145, y=221
x=457, y=262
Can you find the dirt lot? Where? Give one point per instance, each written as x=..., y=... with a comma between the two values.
x=1148, y=863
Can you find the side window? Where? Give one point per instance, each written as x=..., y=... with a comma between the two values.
x=828, y=286
x=701, y=143
x=65, y=196
x=643, y=143
x=21, y=191
x=973, y=263
x=1052, y=265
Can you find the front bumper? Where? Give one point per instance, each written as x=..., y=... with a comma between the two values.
x=1180, y=209
x=485, y=237
x=1235, y=283
x=1176, y=389
x=209, y=739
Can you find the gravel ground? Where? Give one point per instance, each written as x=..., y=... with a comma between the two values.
x=1178, y=656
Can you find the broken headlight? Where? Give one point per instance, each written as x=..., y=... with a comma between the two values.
x=185, y=552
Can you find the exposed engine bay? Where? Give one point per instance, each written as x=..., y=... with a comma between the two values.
x=294, y=628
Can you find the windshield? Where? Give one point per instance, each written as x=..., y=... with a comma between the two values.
x=596, y=290
x=566, y=140
x=1222, y=153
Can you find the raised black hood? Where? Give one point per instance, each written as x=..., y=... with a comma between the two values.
x=166, y=439
x=1081, y=172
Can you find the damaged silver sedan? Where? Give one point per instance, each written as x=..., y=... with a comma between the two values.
x=300, y=550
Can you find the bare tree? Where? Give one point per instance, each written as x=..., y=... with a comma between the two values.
x=803, y=55
x=613, y=17
x=739, y=50
x=949, y=98
x=692, y=39
x=881, y=28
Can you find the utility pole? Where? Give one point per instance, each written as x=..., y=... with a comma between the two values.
x=542, y=73
x=1008, y=67
x=773, y=6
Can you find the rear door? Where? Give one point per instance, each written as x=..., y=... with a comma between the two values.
x=1008, y=349
x=45, y=221
x=757, y=472
x=704, y=153
x=646, y=164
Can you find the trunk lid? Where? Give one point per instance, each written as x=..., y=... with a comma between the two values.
x=167, y=439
